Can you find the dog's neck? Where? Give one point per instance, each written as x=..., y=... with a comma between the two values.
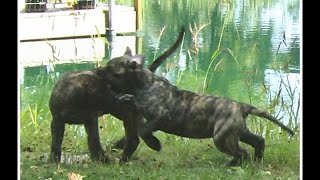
x=144, y=78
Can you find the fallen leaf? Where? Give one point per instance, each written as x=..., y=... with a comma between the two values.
x=74, y=176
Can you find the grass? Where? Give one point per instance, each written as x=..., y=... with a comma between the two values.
x=180, y=158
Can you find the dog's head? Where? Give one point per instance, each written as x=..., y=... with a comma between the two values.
x=123, y=72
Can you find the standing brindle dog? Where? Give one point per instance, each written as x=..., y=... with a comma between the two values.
x=186, y=113
x=81, y=97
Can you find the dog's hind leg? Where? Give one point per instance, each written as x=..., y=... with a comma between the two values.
x=57, y=132
x=231, y=147
x=257, y=142
x=226, y=139
x=95, y=148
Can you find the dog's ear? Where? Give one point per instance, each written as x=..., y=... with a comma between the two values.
x=139, y=58
x=128, y=52
x=136, y=61
x=133, y=64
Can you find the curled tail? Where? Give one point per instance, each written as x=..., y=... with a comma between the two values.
x=156, y=63
x=264, y=114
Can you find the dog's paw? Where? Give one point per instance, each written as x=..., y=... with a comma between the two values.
x=101, y=157
x=234, y=162
x=53, y=158
x=123, y=160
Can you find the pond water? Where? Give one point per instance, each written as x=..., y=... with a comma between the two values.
x=246, y=50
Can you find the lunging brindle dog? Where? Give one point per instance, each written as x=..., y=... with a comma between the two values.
x=185, y=113
x=81, y=97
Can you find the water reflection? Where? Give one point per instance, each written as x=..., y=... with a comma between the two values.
x=281, y=17
x=249, y=38
x=288, y=87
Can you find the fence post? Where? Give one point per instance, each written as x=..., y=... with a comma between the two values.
x=138, y=10
x=108, y=35
x=108, y=18
x=109, y=28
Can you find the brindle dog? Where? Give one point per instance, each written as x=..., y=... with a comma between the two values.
x=185, y=113
x=81, y=97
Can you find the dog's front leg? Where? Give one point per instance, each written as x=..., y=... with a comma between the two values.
x=131, y=140
x=124, y=103
x=95, y=148
x=145, y=132
x=57, y=132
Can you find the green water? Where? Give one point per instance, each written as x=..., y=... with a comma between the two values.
x=257, y=46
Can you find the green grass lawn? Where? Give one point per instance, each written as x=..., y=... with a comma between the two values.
x=180, y=158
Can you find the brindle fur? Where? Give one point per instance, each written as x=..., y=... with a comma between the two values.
x=185, y=113
x=81, y=97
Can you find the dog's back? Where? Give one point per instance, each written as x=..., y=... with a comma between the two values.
x=79, y=95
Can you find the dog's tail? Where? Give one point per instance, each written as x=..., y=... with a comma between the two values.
x=264, y=114
x=156, y=63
